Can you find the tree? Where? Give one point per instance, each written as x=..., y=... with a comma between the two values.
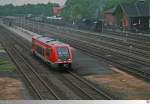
x=38, y=9
x=78, y=9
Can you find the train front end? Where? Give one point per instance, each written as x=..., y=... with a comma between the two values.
x=64, y=56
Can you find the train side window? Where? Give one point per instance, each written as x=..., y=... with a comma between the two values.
x=48, y=51
x=40, y=50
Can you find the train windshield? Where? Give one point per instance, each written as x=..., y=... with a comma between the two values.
x=63, y=53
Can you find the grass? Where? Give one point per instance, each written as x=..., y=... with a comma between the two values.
x=6, y=66
x=2, y=62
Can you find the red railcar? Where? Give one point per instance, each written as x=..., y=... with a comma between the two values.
x=51, y=50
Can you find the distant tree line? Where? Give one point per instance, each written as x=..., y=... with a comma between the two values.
x=35, y=9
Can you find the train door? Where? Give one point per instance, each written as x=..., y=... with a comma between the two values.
x=47, y=53
x=33, y=45
x=40, y=50
x=43, y=51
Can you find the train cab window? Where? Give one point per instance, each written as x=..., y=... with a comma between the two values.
x=63, y=52
x=48, y=52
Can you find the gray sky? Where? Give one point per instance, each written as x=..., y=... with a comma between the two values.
x=20, y=2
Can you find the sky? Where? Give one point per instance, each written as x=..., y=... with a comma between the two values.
x=21, y=2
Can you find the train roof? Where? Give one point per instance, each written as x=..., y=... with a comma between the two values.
x=48, y=40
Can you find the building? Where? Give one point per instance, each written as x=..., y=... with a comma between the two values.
x=109, y=18
x=57, y=10
x=133, y=16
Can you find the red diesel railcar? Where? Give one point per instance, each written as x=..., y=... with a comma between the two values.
x=52, y=51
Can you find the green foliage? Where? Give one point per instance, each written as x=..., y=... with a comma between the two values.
x=77, y=9
x=6, y=66
x=3, y=62
x=45, y=9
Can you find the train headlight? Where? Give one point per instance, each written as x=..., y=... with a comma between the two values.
x=69, y=59
x=59, y=60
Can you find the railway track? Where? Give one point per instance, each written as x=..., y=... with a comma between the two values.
x=41, y=88
x=128, y=63
x=38, y=85
x=88, y=84
x=132, y=37
x=118, y=39
x=116, y=42
x=117, y=59
x=44, y=91
x=138, y=36
x=131, y=51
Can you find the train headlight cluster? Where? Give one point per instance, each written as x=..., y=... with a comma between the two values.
x=59, y=60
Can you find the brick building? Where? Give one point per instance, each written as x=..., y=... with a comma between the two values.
x=133, y=16
x=109, y=18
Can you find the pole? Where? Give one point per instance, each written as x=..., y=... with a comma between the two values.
x=33, y=25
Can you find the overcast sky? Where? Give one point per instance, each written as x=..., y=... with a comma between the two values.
x=21, y=2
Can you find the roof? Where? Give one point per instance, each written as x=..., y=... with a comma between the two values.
x=139, y=9
x=57, y=10
x=130, y=10
x=144, y=8
x=49, y=41
x=109, y=10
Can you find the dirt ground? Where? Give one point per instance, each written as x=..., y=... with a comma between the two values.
x=123, y=85
x=10, y=89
